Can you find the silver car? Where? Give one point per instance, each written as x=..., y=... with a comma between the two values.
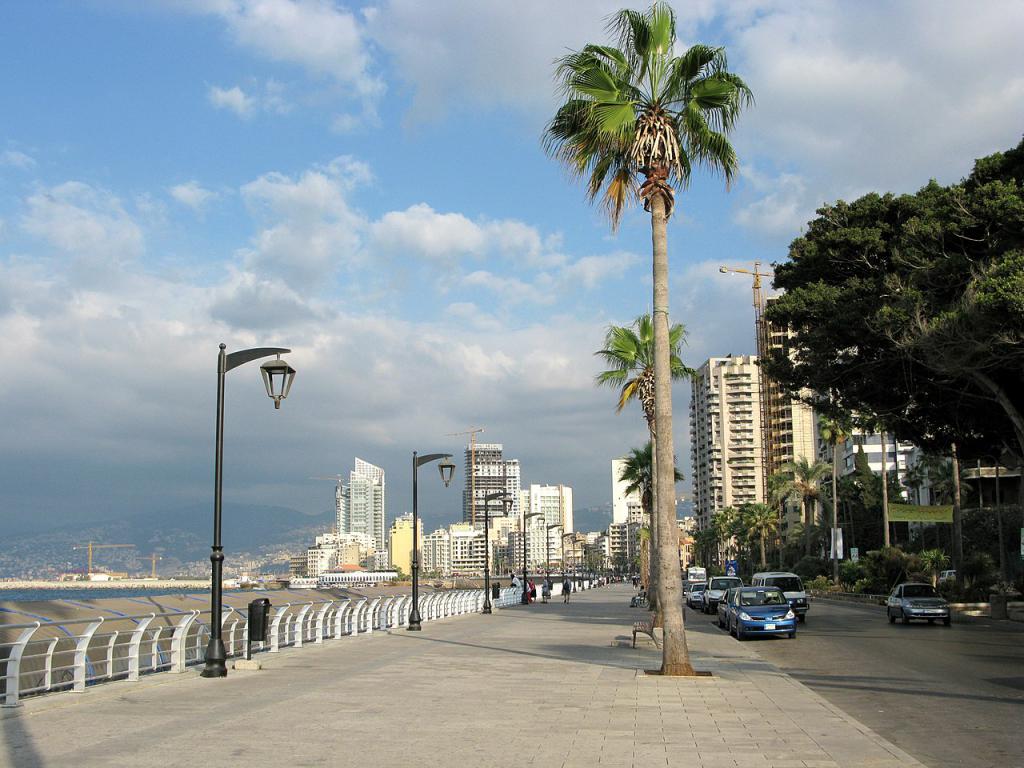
x=917, y=601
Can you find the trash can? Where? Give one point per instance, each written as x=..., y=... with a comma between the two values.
x=495, y=591
x=259, y=623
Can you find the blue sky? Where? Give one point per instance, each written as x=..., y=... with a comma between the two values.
x=365, y=184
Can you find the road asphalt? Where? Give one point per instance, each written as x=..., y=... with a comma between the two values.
x=950, y=696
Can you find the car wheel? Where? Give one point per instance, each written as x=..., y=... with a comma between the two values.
x=892, y=619
x=792, y=635
x=947, y=621
x=803, y=618
x=740, y=634
x=906, y=619
x=931, y=621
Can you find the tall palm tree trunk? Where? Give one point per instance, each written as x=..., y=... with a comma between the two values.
x=808, y=516
x=764, y=563
x=958, y=530
x=653, y=603
x=885, y=494
x=835, y=512
x=675, y=654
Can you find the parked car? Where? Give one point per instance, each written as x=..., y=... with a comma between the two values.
x=916, y=601
x=949, y=575
x=716, y=590
x=791, y=587
x=695, y=597
x=757, y=611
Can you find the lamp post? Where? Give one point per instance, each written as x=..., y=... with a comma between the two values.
x=447, y=469
x=547, y=547
x=505, y=498
x=526, y=588
x=277, y=378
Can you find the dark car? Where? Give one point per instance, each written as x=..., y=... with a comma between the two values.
x=917, y=601
x=750, y=611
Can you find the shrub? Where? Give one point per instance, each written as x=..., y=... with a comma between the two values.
x=808, y=567
x=820, y=584
x=850, y=572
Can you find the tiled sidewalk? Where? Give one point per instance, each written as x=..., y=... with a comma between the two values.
x=549, y=685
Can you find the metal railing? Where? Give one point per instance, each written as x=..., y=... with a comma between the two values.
x=43, y=657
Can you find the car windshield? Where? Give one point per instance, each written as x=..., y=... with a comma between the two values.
x=919, y=590
x=725, y=582
x=762, y=597
x=785, y=583
x=698, y=587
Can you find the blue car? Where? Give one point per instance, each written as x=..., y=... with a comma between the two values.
x=750, y=611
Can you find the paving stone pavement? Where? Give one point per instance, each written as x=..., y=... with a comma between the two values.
x=547, y=685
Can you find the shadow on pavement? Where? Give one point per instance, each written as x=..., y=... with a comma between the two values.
x=19, y=752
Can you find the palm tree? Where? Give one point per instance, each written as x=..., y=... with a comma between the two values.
x=805, y=482
x=638, y=474
x=782, y=492
x=760, y=521
x=834, y=432
x=724, y=523
x=629, y=353
x=633, y=111
x=933, y=561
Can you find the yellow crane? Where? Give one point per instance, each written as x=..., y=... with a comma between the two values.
x=472, y=432
x=152, y=569
x=92, y=545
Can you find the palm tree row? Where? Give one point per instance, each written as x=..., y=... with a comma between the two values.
x=635, y=121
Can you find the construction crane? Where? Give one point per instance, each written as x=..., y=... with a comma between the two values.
x=770, y=395
x=153, y=558
x=91, y=546
x=472, y=432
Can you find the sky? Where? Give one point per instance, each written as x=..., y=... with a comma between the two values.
x=365, y=185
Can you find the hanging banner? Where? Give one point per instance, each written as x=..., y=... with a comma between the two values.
x=836, y=538
x=919, y=513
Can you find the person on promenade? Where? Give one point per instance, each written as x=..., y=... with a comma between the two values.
x=533, y=591
x=517, y=583
x=566, y=589
x=545, y=589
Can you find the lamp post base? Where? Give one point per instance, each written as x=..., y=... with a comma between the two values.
x=415, y=623
x=487, y=608
x=216, y=659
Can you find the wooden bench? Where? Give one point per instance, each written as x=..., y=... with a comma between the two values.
x=645, y=628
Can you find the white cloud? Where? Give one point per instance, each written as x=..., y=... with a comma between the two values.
x=508, y=289
x=16, y=159
x=81, y=220
x=192, y=195
x=783, y=208
x=322, y=37
x=233, y=99
x=308, y=231
x=590, y=271
x=420, y=230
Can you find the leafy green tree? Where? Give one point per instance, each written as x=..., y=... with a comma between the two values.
x=638, y=110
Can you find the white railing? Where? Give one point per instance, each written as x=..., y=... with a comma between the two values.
x=68, y=655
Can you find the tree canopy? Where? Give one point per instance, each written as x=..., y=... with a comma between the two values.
x=909, y=309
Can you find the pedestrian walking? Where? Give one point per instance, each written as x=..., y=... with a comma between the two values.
x=566, y=589
x=545, y=589
x=533, y=591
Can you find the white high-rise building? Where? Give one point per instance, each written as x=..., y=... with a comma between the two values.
x=361, y=503
x=436, y=553
x=487, y=471
x=553, y=503
x=725, y=436
x=621, y=501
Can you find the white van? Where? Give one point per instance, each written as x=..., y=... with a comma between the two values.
x=791, y=587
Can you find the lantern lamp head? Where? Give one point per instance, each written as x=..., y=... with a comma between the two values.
x=447, y=468
x=277, y=377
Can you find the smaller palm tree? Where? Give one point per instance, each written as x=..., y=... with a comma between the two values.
x=933, y=560
x=806, y=483
x=761, y=522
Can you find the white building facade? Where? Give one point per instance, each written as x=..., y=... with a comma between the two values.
x=488, y=471
x=361, y=506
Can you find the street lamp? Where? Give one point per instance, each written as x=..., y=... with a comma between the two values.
x=526, y=588
x=506, y=498
x=277, y=377
x=447, y=469
x=547, y=547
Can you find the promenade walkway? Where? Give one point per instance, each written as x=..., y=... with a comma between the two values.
x=550, y=685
